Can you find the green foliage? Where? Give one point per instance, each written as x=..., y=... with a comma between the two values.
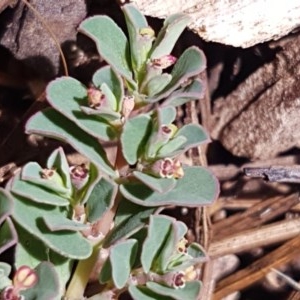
x=105, y=214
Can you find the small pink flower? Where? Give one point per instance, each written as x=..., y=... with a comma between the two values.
x=179, y=280
x=163, y=62
x=95, y=98
x=79, y=175
x=167, y=168
x=170, y=168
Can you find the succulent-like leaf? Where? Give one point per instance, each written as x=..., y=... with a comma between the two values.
x=122, y=257
x=133, y=137
x=158, y=233
x=195, y=250
x=190, y=291
x=129, y=219
x=156, y=84
x=190, y=63
x=189, y=136
x=31, y=173
x=58, y=222
x=168, y=35
x=5, y=270
x=48, y=285
x=67, y=95
x=58, y=160
x=143, y=293
x=100, y=199
x=106, y=272
x=193, y=91
x=139, y=45
x=171, y=148
x=166, y=115
x=36, y=193
x=113, y=80
x=6, y=205
x=67, y=243
x=8, y=235
x=111, y=43
x=52, y=124
x=197, y=187
x=161, y=185
x=31, y=251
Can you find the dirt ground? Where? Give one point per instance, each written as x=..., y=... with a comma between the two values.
x=251, y=110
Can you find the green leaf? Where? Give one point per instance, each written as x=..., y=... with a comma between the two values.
x=67, y=95
x=188, y=136
x=195, y=251
x=197, y=187
x=158, y=232
x=139, y=45
x=59, y=222
x=8, y=235
x=129, y=219
x=100, y=199
x=108, y=76
x=36, y=193
x=190, y=291
x=166, y=115
x=83, y=195
x=133, y=138
x=58, y=161
x=194, y=135
x=143, y=293
x=50, y=123
x=191, y=63
x=161, y=185
x=169, y=34
x=47, y=287
x=156, y=84
x=6, y=205
x=31, y=251
x=170, y=148
x=193, y=91
x=111, y=43
x=31, y=173
x=67, y=243
x=122, y=257
x=5, y=270
x=106, y=272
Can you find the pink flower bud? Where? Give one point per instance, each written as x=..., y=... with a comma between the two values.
x=79, y=175
x=163, y=62
x=127, y=106
x=9, y=293
x=24, y=278
x=95, y=98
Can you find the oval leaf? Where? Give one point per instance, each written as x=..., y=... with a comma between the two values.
x=111, y=43
x=133, y=137
x=197, y=187
x=122, y=257
x=68, y=243
x=52, y=124
x=67, y=95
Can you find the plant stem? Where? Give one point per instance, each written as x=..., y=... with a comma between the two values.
x=84, y=268
x=80, y=278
